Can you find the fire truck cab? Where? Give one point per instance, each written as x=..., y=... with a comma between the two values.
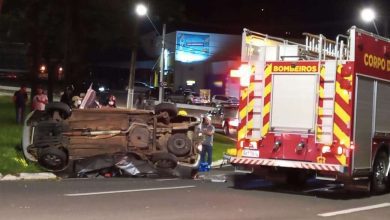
x=319, y=107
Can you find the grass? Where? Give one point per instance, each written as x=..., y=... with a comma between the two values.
x=11, y=157
x=221, y=144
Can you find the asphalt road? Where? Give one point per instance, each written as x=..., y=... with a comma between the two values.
x=142, y=198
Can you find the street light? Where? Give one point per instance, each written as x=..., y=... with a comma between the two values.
x=368, y=15
x=142, y=10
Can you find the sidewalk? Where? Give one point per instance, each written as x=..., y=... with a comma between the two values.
x=28, y=176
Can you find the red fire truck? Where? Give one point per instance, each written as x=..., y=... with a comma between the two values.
x=319, y=107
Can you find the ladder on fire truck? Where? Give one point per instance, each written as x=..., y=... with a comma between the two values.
x=316, y=47
x=326, y=49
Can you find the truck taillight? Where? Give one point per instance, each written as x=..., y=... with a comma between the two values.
x=241, y=143
x=339, y=150
x=247, y=143
x=244, y=72
x=325, y=149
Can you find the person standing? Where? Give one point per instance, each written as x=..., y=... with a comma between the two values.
x=68, y=95
x=40, y=100
x=207, y=144
x=20, y=99
x=111, y=101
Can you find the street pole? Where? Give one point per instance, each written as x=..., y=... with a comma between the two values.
x=130, y=88
x=161, y=84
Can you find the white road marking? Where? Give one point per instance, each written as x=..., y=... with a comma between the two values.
x=359, y=209
x=128, y=191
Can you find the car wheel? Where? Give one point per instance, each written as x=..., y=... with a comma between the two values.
x=164, y=160
x=378, y=181
x=170, y=108
x=63, y=109
x=179, y=144
x=67, y=172
x=52, y=159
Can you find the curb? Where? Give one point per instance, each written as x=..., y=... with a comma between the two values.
x=28, y=176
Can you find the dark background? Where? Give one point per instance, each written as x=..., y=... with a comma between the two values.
x=76, y=34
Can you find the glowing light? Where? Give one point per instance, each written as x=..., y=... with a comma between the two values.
x=244, y=73
x=234, y=122
x=43, y=68
x=218, y=84
x=241, y=144
x=141, y=10
x=325, y=149
x=190, y=82
x=188, y=57
x=367, y=15
x=339, y=150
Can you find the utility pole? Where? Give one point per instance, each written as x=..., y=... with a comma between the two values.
x=133, y=61
x=162, y=68
x=130, y=89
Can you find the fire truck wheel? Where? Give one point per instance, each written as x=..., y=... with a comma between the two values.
x=378, y=182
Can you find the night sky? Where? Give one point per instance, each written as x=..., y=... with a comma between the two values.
x=281, y=18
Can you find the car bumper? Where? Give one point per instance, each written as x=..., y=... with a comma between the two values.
x=28, y=138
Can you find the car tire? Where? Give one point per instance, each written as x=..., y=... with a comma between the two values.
x=170, y=108
x=63, y=109
x=378, y=181
x=53, y=159
x=179, y=144
x=68, y=171
x=164, y=160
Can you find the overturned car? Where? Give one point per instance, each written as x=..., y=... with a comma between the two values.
x=60, y=139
